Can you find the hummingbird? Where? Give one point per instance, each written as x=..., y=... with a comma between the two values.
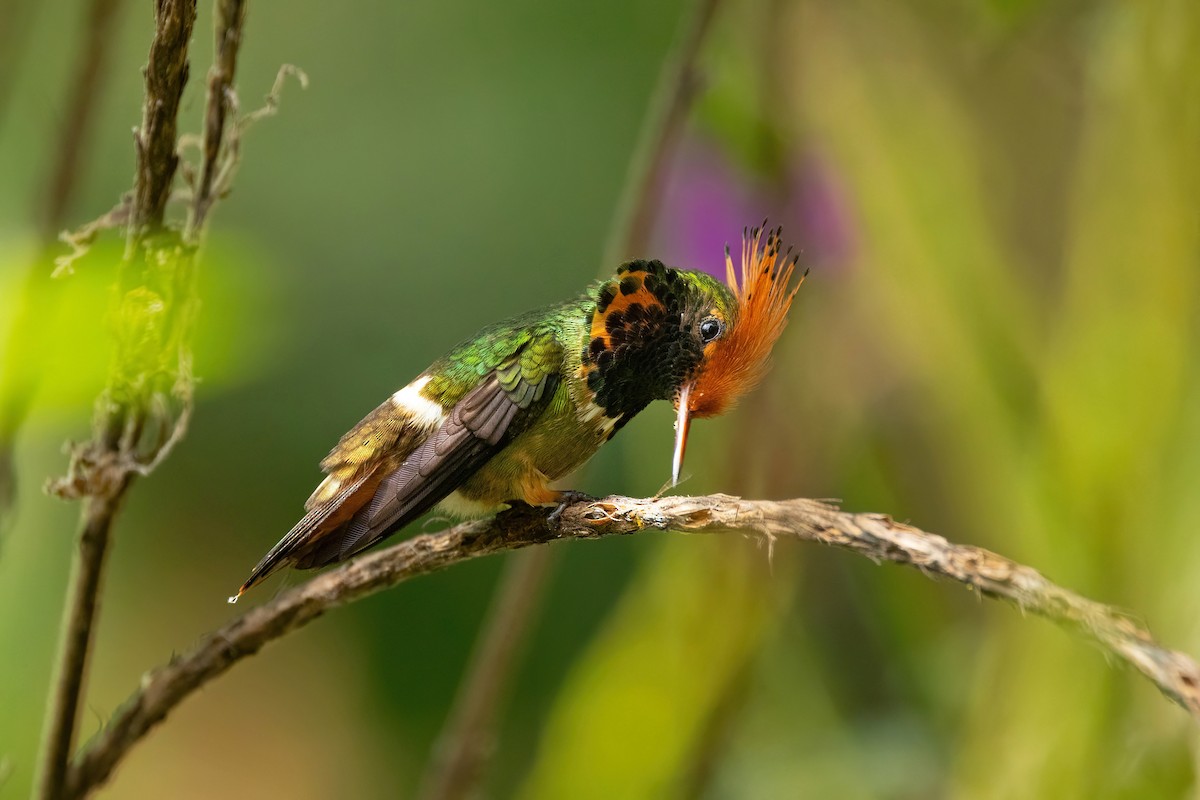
x=528, y=400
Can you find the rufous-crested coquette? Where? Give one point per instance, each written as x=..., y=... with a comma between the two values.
x=527, y=401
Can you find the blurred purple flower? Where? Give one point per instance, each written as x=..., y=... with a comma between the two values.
x=708, y=201
x=706, y=204
x=818, y=204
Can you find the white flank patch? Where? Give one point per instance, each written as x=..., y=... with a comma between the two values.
x=422, y=410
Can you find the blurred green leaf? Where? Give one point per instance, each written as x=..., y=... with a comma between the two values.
x=232, y=342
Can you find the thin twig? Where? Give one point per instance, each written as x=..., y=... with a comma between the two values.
x=231, y=15
x=221, y=154
x=166, y=74
x=876, y=536
x=463, y=746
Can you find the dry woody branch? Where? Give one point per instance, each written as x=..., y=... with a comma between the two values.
x=876, y=536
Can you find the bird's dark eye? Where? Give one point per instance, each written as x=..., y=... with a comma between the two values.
x=710, y=329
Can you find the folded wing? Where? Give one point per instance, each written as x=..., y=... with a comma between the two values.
x=418, y=471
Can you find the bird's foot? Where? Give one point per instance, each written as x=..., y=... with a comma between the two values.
x=566, y=498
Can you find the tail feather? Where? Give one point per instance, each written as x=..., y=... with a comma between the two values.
x=332, y=548
x=314, y=530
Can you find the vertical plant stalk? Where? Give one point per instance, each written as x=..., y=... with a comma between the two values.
x=457, y=761
x=151, y=314
x=16, y=20
x=465, y=742
x=78, y=620
x=25, y=344
x=678, y=83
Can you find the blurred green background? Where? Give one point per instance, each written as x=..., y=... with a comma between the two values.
x=1000, y=203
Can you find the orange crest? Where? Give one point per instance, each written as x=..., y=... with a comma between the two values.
x=735, y=362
